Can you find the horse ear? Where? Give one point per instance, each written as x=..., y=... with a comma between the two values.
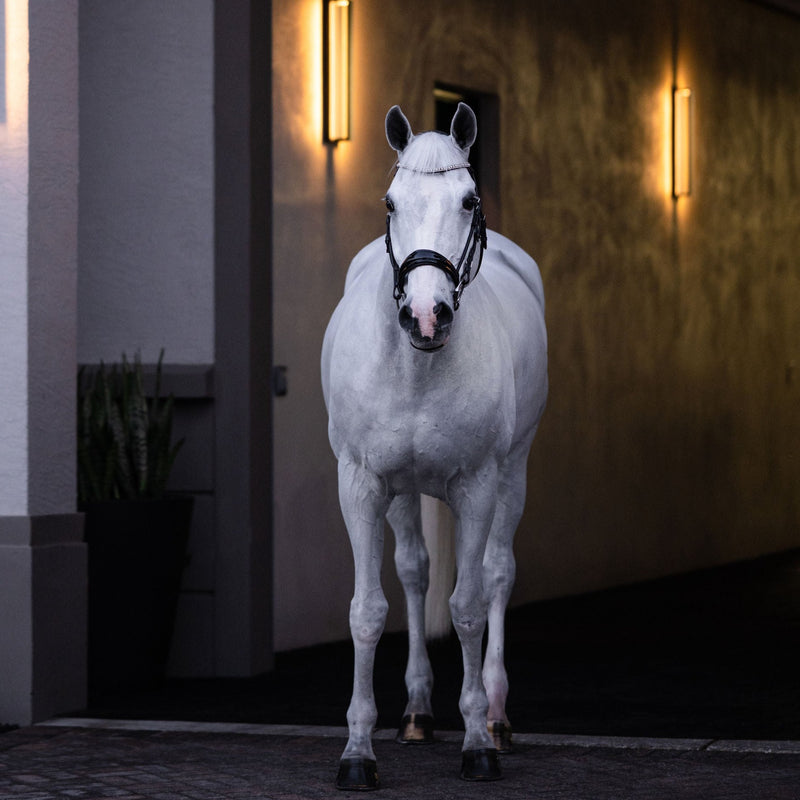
x=398, y=129
x=464, y=127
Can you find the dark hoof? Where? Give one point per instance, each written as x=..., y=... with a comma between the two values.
x=357, y=775
x=480, y=765
x=416, y=729
x=501, y=733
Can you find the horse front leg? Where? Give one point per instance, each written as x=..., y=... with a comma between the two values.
x=364, y=503
x=473, y=503
x=412, y=564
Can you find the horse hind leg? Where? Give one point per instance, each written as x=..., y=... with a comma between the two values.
x=499, y=569
x=412, y=564
x=495, y=679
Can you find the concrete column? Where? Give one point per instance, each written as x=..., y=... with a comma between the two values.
x=243, y=401
x=42, y=559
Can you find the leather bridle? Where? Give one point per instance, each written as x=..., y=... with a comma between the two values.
x=460, y=275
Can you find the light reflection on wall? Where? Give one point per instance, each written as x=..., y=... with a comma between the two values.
x=658, y=180
x=313, y=64
x=14, y=114
x=2, y=61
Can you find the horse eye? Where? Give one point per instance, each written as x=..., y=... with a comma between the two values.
x=469, y=203
x=389, y=204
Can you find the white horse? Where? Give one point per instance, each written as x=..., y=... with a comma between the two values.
x=441, y=397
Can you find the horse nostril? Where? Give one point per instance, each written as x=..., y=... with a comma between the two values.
x=406, y=318
x=444, y=314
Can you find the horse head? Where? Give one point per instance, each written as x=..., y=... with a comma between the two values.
x=434, y=224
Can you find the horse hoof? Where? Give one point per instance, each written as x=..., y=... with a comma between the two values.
x=501, y=733
x=480, y=765
x=416, y=729
x=357, y=775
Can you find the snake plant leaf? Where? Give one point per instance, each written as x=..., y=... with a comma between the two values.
x=125, y=447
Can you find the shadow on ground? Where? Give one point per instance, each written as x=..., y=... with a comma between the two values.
x=713, y=654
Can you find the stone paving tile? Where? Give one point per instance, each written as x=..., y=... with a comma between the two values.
x=42, y=764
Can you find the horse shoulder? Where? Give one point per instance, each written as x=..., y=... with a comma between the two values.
x=505, y=256
x=357, y=275
x=515, y=279
x=374, y=252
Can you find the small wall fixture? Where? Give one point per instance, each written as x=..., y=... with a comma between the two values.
x=336, y=59
x=681, y=142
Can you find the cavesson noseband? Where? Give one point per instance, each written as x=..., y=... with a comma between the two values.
x=460, y=275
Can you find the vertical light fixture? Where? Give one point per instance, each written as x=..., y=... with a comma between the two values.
x=682, y=102
x=337, y=69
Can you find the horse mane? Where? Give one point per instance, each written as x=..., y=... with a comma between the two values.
x=432, y=152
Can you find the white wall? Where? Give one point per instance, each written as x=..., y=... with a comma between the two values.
x=13, y=262
x=38, y=184
x=146, y=192
x=42, y=557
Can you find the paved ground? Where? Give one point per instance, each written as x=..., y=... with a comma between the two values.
x=205, y=761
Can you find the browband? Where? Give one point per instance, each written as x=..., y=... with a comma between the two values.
x=436, y=171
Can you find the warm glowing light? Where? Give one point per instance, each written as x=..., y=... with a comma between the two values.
x=665, y=118
x=338, y=71
x=681, y=142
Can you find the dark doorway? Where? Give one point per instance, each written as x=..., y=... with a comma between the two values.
x=485, y=153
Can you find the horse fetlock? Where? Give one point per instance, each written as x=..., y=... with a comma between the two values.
x=478, y=738
x=420, y=687
x=474, y=708
x=360, y=741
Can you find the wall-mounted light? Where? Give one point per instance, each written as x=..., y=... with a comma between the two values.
x=681, y=142
x=336, y=59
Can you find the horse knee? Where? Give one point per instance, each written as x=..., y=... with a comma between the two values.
x=367, y=618
x=469, y=617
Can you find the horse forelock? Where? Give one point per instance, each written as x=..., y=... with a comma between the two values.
x=432, y=152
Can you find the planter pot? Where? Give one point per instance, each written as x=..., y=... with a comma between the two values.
x=137, y=551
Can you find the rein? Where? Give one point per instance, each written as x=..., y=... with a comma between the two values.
x=460, y=275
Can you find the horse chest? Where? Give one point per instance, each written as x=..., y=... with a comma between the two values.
x=417, y=431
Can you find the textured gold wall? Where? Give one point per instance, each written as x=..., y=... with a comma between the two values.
x=671, y=436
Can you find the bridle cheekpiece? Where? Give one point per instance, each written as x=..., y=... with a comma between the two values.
x=460, y=275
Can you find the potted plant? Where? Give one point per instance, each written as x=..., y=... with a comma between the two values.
x=135, y=530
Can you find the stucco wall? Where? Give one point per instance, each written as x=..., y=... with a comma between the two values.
x=669, y=439
x=42, y=557
x=146, y=189
x=14, y=261
x=38, y=164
